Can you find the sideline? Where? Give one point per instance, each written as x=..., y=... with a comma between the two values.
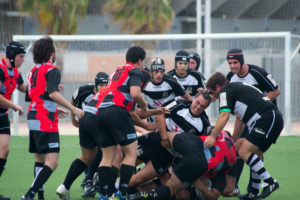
x=69, y=129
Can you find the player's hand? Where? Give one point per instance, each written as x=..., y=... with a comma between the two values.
x=144, y=110
x=200, y=89
x=61, y=87
x=162, y=110
x=18, y=108
x=209, y=141
x=78, y=112
x=165, y=143
x=61, y=112
x=75, y=122
x=152, y=126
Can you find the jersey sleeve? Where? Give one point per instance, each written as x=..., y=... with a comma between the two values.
x=229, y=76
x=178, y=89
x=53, y=80
x=2, y=77
x=226, y=100
x=199, y=78
x=135, y=77
x=265, y=80
x=20, y=80
x=171, y=72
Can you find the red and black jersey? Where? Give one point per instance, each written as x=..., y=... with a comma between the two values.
x=10, y=79
x=42, y=80
x=118, y=92
x=220, y=157
x=91, y=106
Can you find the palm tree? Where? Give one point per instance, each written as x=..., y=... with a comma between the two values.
x=141, y=16
x=57, y=17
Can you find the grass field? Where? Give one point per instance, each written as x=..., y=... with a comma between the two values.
x=282, y=161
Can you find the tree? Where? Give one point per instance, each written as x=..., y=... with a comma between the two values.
x=141, y=16
x=57, y=17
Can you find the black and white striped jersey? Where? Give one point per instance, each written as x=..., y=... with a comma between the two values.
x=158, y=95
x=258, y=77
x=191, y=82
x=181, y=119
x=83, y=95
x=244, y=101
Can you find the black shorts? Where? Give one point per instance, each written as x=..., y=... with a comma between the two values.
x=43, y=142
x=149, y=148
x=193, y=162
x=4, y=125
x=88, y=131
x=115, y=126
x=266, y=130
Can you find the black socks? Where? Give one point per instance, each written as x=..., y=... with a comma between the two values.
x=76, y=168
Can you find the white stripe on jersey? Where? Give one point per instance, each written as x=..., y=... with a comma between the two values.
x=249, y=79
x=240, y=109
x=163, y=88
x=87, y=100
x=188, y=80
x=185, y=113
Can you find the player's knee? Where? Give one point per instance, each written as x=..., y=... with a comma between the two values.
x=4, y=150
x=52, y=164
x=136, y=180
x=183, y=194
x=87, y=158
x=243, y=153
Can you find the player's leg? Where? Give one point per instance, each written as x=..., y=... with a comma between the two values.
x=4, y=141
x=105, y=172
x=4, y=145
x=4, y=150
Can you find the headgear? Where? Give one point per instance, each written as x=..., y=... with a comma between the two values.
x=182, y=56
x=197, y=58
x=12, y=50
x=101, y=77
x=236, y=54
x=145, y=75
x=157, y=64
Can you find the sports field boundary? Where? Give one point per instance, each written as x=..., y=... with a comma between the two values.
x=69, y=129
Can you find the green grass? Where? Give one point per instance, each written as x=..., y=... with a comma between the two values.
x=282, y=161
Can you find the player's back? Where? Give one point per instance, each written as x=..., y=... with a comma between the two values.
x=38, y=88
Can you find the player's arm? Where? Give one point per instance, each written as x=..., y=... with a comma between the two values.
x=136, y=94
x=58, y=98
x=143, y=123
x=273, y=94
x=53, y=79
x=9, y=104
x=187, y=97
x=230, y=184
x=151, y=112
x=208, y=194
x=22, y=87
x=268, y=84
x=61, y=112
x=73, y=118
x=220, y=124
x=212, y=194
x=239, y=126
x=160, y=119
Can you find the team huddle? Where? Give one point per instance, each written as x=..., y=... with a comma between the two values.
x=179, y=153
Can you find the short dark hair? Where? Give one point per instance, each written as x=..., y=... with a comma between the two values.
x=205, y=96
x=42, y=50
x=135, y=53
x=216, y=79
